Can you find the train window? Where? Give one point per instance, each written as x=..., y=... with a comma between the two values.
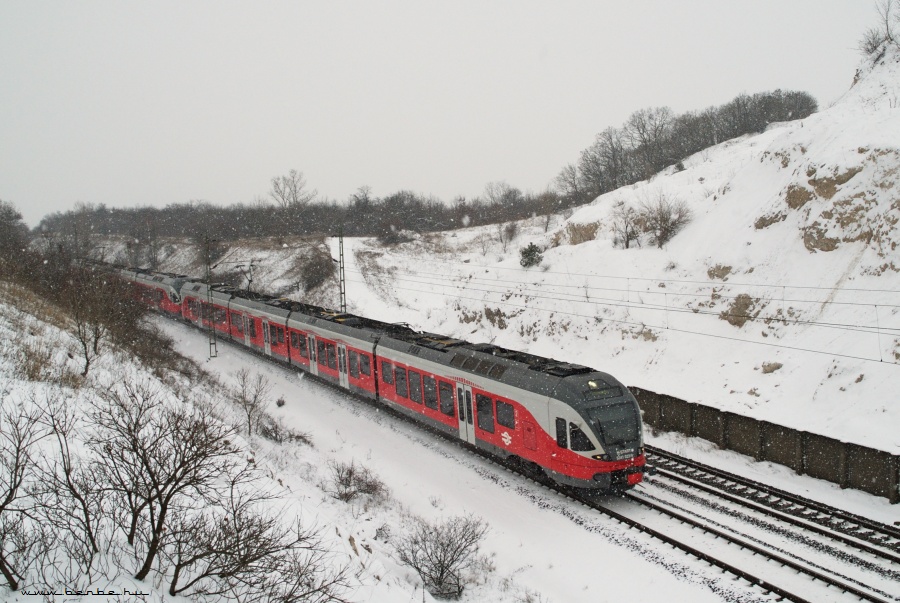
x=430, y=386
x=580, y=442
x=446, y=391
x=273, y=334
x=354, y=364
x=598, y=389
x=295, y=340
x=415, y=387
x=364, y=365
x=332, y=356
x=320, y=351
x=561, y=436
x=506, y=414
x=387, y=372
x=618, y=424
x=400, y=378
x=302, y=347
x=484, y=406
x=221, y=316
x=252, y=324
x=280, y=335
x=237, y=322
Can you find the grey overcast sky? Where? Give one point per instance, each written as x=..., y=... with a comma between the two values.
x=151, y=103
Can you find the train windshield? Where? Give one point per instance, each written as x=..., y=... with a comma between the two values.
x=617, y=424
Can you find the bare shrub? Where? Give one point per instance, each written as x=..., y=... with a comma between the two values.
x=317, y=268
x=484, y=242
x=349, y=480
x=443, y=553
x=506, y=233
x=24, y=542
x=252, y=395
x=154, y=458
x=71, y=501
x=873, y=41
x=34, y=360
x=624, y=226
x=663, y=217
x=275, y=430
x=234, y=546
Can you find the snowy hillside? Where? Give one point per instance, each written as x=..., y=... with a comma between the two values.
x=780, y=299
x=794, y=239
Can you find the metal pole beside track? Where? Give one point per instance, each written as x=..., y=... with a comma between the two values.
x=211, y=315
x=342, y=275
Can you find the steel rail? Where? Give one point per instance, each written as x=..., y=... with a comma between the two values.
x=833, y=518
x=782, y=516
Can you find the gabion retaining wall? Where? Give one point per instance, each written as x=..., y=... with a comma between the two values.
x=850, y=465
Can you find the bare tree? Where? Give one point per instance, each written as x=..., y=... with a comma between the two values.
x=233, y=546
x=23, y=540
x=13, y=237
x=71, y=500
x=506, y=233
x=876, y=37
x=663, y=217
x=647, y=130
x=252, y=395
x=625, y=225
x=156, y=459
x=568, y=183
x=290, y=190
x=89, y=327
x=291, y=195
x=441, y=553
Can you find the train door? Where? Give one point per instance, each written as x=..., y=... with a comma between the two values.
x=464, y=402
x=246, y=330
x=313, y=364
x=342, y=365
x=266, y=342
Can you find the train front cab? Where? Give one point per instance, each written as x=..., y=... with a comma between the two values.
x=597, y=425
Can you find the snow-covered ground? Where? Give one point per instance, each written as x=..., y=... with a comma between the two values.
x=540, y=547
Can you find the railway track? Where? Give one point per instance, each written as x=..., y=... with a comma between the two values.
x=700, y=539
x=857, y=531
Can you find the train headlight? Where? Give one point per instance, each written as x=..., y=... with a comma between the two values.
x=601, y=457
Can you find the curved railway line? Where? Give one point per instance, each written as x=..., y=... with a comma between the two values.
x=749, y=561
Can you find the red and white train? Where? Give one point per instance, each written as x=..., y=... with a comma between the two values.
x=580, y=426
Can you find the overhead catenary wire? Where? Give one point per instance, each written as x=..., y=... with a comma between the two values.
x=610, y=302
x=433, y=279
x=709, y=283
x=662, y=328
